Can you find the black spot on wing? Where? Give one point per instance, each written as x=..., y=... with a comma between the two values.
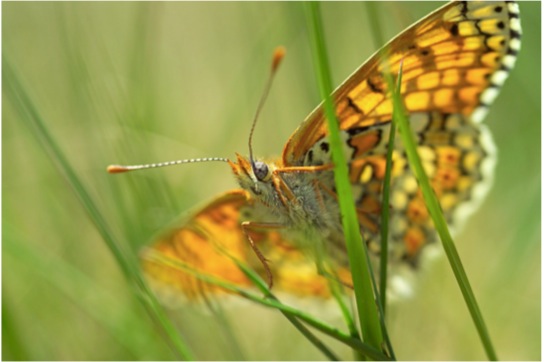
x=324, y=146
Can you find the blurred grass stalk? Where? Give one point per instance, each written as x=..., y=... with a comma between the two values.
x=15, y=91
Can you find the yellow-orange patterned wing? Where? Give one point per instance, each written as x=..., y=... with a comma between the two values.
x=454, y=61
x=211, y=239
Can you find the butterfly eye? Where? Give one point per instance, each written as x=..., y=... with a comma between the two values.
x=260, y=169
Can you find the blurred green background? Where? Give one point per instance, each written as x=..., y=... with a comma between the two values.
x=145, y=82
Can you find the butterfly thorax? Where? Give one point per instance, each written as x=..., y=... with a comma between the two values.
x=290, y=196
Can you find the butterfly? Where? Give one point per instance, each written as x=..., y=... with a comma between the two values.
x=454, y=62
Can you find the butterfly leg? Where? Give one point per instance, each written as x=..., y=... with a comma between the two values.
x=247, y=226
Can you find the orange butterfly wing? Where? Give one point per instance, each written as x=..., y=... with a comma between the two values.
x=454, y=60
x=208, y=242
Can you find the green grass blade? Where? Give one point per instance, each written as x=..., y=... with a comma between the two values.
x=384, y=227
x=29, y=114
x=441, y=226
x=367, y=311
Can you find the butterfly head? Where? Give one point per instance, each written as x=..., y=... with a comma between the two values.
x=254, y=176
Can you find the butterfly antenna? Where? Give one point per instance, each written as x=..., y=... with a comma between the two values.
x=121, y=169
x=279, y=53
